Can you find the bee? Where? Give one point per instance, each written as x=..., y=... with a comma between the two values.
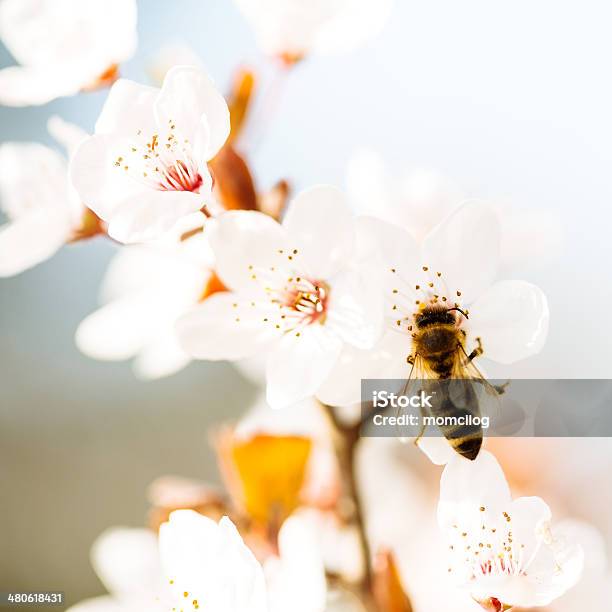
x=441, y=365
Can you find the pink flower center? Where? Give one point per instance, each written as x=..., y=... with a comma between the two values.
x=162, y=163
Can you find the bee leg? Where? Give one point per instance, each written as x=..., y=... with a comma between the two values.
x=421, y=434
x=410, y=359
x=501, y=388
x=477, y=351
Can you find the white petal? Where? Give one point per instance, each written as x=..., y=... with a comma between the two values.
x=28, y=86
x=169, y=56
x=95, y=178
x=467, y=485
x=127, y=562
x=217, y=329
x=19, y=194
x=187, y=95
x=69, y=135
x=437, y=449
x=465, y=249
x=511, y=318
x=355, y=309
x=148, y=215
x=297, y=366
x=29, y=241
x=129, y=107
x=320, y=225
x=105, y=603
x=397, y=248
x=245, y=243
x=354, y=23
x=118, y=330
x=162, y=357
x=211, y=563
x=385, y=360
x=296, y=581
x=531, y=237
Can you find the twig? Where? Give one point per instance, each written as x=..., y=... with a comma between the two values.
x=346, y=438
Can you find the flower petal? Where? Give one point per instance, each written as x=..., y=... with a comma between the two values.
x=127, y=562
x=437, y=449
x=148, y=215
x=355, y=309
x=19, y=194
x=211, y=563
x=30, y=240
x=386, y=360
x=129, y=107
x=320, y=225
x=217, y=329
x=98, y=183
x=245, y=243
x=467, y=485
x=162, y=357
x=298, y=365
x=118, y=330
x=188, y=94
x=465, y=249
x=511, y=318
x=30, y=86
x=69, y=135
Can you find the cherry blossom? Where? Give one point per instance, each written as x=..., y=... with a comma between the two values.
x=292, y=29
x=418, y=198
x=127, y=562
x=504, y=552
x=208, y=565
x=454, y=269
x=145, y=290
x=43, y=212
x=301, y=291
x=146, y=165
x=63, y=46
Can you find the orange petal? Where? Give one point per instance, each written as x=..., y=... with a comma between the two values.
x=239, y=100
x=233, y=180
x=269, y=475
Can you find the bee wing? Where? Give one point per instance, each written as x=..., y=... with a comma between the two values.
x=415, y=383
x=467, y=373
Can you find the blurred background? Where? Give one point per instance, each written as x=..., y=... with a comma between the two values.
x=510, y=100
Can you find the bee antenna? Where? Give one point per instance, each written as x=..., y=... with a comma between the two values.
x=458, y=310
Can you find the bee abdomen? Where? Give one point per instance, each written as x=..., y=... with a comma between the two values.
x=466, y=442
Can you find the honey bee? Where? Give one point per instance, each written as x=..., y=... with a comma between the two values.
x=441, y=365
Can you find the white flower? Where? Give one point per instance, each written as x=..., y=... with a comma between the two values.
x=419, y=198
x=63, y=46
x=300, y=292
x=146, y=289
x=146, y=165
x=502, y=551
x=594, y=590
x=127, y=562
x=171, y=55
x=454, y=268
x=291, y=29
x=209, y=566
x=43, y=212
